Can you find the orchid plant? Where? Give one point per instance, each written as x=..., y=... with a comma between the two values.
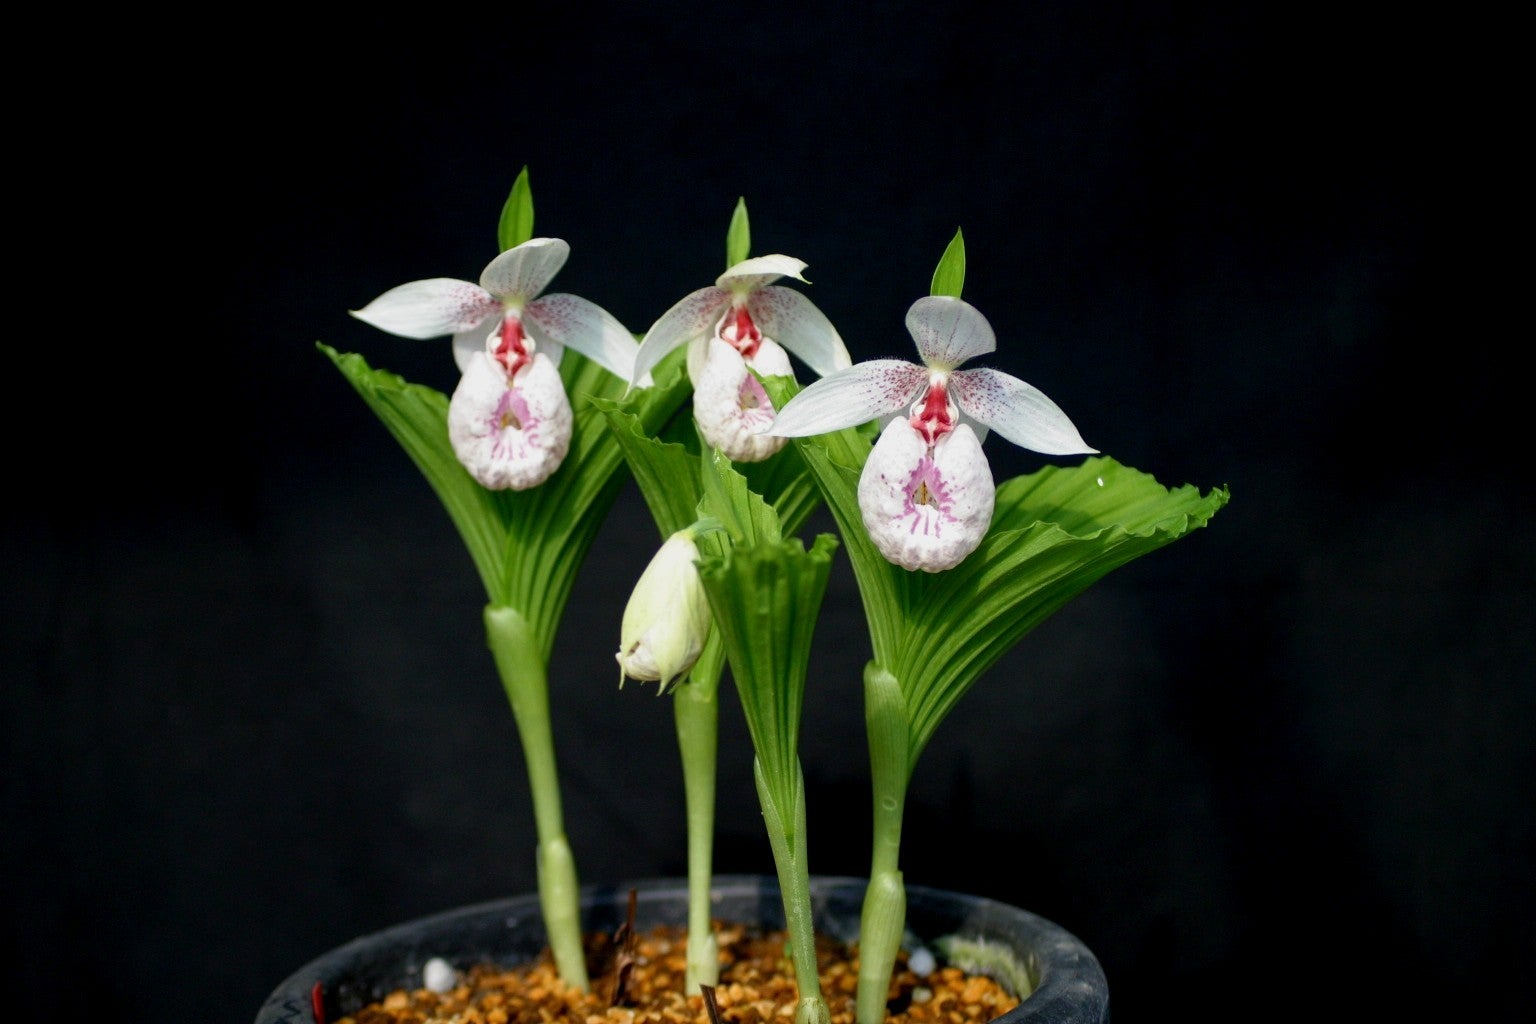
x=948, y=590
x=953, y=568
x=526, y=475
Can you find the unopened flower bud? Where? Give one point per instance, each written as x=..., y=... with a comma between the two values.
x=667, y=619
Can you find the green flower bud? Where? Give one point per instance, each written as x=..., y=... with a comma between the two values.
x=667, y=619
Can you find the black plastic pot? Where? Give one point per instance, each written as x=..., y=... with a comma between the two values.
x=1068, y=984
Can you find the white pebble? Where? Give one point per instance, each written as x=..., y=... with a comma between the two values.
x=921, y=961
x=438, y=976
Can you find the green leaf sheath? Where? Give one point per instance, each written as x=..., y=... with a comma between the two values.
x=882, y=925
x=784, y=818
x=882, y=921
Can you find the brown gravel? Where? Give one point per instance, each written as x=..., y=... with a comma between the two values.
x=756, y=986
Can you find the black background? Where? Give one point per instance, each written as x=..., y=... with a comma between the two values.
x=1280, y=769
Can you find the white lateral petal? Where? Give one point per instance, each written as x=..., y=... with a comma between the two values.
x=792, y=320
x=430, y=308
x=852, y=396
x=759, y=272
x=948, y=331
x=524, y=271
x=690, y=318
x=585, y=326
x=473, y=342
x=1020, y=412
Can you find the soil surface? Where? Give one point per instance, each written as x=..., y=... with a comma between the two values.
x=641, y=982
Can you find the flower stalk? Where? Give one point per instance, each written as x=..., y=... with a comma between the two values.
x=526, y=681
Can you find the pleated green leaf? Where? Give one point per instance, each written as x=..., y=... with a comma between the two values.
x=747, y=517
x=766, y=597
x=526, y=545
x=667, y=473
x=1054, y=533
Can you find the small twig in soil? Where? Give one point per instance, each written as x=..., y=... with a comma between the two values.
x=710, y=1006
x=624, y=960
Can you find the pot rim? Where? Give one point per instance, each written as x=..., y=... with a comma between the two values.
x=1068, y=982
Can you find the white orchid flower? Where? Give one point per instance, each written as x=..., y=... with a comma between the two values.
x=509, y=419
x=744, y=323
x=926, y=492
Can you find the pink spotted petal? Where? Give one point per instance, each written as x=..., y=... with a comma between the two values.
x=1018, y=411
x=510, y=436
x=792, y=320
x=731, y=407
x=926, y=510
x=431, y=308
x=524, y=271
x=690, y=319
x=849, y=397
x=948, y=331
x=573, y=322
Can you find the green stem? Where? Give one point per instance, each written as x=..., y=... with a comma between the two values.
x=525, y=677
x=696, y=710
x=882, y=922
x=789, y=856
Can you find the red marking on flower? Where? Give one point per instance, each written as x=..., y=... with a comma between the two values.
x=743, y=334
x=317, y=1002
x=934, y=421
x=511, y=352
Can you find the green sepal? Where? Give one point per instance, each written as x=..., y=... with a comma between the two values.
x=516, y=225
x=738, y=237
x=949, y=275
